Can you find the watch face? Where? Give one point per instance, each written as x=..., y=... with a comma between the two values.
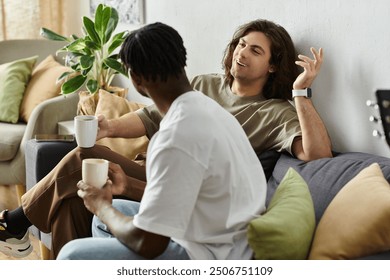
x=308, y=92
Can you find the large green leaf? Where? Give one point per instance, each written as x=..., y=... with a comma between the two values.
x=114, y=45
x=98, y=18
x=117, y=40
x=92, y=45
x=111, y=25
x=85, y=72
x=121, y=35
x=92, y=86
x=101, y=21
x=75, y=67
x=90, y=28
x=63, y=76
x=86, y=61
x=115, y=64
x=76, y=46
x=105, y=21
x=48, y=34
x=73, y=84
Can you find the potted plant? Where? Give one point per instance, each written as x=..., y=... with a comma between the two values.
x=91, y=58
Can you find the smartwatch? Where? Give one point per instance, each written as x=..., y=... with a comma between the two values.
x=302, y=92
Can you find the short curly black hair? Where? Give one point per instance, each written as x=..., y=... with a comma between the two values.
x=155, y=51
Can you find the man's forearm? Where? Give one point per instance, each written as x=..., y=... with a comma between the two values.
x=127, y=126
x=146, y=244
x=315, y=139
x=120, y=225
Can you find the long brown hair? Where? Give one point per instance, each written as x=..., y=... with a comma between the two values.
x=283, y=57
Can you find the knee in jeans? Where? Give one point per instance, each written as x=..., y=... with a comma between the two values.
x=126, y=207
x=71, y=251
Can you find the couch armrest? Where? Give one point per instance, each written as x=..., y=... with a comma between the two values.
x=42, y=157
x=43, y=120
x=45, y=117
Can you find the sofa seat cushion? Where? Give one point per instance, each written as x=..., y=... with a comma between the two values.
x=11, y=137
x=326, y=177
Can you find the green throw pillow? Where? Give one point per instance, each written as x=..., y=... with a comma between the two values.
x=14, y=77
x=285, y=230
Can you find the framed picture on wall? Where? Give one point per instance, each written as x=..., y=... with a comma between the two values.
x=129, y=11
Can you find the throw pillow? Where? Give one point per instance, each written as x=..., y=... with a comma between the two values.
x=14, y=77
x=285, y=230
x=113, y=106
x=42, y=85
x=356, y=222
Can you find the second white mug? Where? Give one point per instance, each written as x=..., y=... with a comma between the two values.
x=94, y=172
x=86, y=129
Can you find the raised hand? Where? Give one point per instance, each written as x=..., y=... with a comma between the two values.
x=311, y=68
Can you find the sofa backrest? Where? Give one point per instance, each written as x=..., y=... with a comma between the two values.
x=327, y=176
x=16, y=49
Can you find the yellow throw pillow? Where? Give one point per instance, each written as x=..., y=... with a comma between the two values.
x=356, y=222
x=14, y=77
x=42, y=86
x=113, y=106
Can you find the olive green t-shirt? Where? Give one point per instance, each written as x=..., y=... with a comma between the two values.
x=270, y=124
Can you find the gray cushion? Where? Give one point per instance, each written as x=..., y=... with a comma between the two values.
x=325, y=177
x=11, y=137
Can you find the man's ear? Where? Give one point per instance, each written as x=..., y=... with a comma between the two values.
x=136, y=79
x=138, y=83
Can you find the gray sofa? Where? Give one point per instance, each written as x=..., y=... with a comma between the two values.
x=325, y=177
x=43, y=119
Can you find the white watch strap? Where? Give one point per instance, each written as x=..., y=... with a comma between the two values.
x=301, y=92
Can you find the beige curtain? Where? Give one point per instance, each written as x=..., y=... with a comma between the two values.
x=22, y=19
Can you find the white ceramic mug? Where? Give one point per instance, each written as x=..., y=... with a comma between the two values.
x=86, y=129
x=95, y=172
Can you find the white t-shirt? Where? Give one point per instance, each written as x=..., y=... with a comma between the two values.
x=205, y=182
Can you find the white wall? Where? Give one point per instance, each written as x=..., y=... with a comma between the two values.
x=353, y=33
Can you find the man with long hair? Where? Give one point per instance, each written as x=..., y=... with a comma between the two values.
x=261, y=75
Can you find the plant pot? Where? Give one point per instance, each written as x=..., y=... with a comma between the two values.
x=88, y=102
